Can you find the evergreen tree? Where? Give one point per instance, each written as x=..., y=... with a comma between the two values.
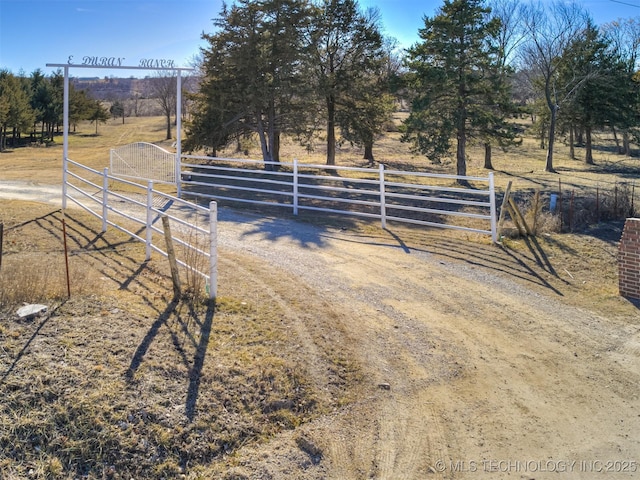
x=117, y=110
x=253, y=79
x=15, y=110
x=599, y=96
x=346, y=48
x=98, y=114
x=370, y=107
x=81, y=107
x=454, y=72
x=623, y=37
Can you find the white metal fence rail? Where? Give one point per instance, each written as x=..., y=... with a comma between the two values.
x=196, y=227
x=436, y=200
x=142, y=160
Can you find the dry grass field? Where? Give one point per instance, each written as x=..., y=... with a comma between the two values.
x=285, y=377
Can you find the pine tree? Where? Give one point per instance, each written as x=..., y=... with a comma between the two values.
x=253, y=78
x=346, y=48
x=453, y=75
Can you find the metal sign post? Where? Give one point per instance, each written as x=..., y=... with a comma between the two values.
x=116, y=63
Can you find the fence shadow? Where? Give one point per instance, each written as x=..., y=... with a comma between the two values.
x=530, y=268
x=198, y=361
x=148, y=339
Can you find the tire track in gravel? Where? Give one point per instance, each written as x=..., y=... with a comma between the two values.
x=479, y=367
x=389, y=431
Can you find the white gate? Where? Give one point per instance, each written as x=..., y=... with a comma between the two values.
x=144, y=161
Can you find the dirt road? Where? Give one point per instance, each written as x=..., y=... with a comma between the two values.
x=476, y=364
x=479, y=362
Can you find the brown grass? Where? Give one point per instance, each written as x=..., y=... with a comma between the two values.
x=119, y=382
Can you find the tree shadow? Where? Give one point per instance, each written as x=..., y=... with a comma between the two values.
x=201, y=345
x=198, y=362
x=26, y=346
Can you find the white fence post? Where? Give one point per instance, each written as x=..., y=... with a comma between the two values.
x=295, y=186
x=179, y=132
x=492, y=201
x=149, y=232
x=213, y=250
x=383, y=207
x=105, y=198
x=65, y=140
x=178, y=175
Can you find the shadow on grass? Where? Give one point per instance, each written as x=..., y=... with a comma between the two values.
x=198, y=362
x=201, y=345
x=142, y=349
x=26, y=346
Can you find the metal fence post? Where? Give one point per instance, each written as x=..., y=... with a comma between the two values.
x=383, y=206
x=178, y=174
x=149, y=232
x=65, y=138
x=105, y=198
x=492, y=201
x=213, y=250
x=295, y=186
x=179, y=132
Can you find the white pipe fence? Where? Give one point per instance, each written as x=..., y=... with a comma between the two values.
x=435, y=200
x=196, y=230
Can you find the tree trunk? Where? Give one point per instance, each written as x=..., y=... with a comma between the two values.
x=264, y=145
x=588, y=155
x=626, y=144
x=461, y=153
x=275, y=148
x=331, y=130
x=572, y=148
x=615, y=138
x=169, y=127
x=487, y=156
x=552, y=134
x=368, y=153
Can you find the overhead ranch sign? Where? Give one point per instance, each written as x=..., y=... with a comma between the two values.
x=117, y=63
x=94, y=61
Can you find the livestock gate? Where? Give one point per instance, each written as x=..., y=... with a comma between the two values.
x=142, y=160
x=139, y=161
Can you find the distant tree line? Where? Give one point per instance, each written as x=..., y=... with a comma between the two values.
x=33, y=106
x=323, y=68
x=298, y=67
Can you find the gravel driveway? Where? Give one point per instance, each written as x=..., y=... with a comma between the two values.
x=476, y=364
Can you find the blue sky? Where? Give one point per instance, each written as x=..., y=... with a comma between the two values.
x=36, y=32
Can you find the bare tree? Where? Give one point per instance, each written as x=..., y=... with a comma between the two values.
x=550, y=30
x=512, y=33
x=163, y=90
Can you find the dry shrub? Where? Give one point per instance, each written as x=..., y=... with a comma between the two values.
x=36, y=277
x=575, y=212
x=197, y=262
